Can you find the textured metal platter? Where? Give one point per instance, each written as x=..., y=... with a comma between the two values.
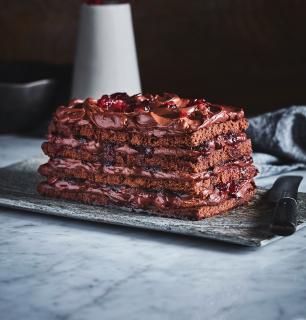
x=247, y=225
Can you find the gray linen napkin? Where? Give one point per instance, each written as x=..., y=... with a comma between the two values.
x=279, y=140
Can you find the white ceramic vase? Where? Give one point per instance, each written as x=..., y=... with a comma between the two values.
x=106, y=59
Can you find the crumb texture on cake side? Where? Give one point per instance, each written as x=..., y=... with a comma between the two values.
x=166, y=155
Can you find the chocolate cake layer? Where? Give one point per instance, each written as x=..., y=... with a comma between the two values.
x=164, y=162
x=100, y=148
x=196, y=138
x=146, y=198
x=161, y=202
x=149, y=178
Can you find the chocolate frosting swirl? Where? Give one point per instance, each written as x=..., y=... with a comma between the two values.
x=155, y=114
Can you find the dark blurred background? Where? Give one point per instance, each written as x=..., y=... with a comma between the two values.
x=250, y=53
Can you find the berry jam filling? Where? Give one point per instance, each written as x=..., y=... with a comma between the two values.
x=220, y=141
x=151, y=169
x=230, y=188
x=82, y=139
x=109, y=154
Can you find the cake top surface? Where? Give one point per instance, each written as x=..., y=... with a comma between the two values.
x=164, y=113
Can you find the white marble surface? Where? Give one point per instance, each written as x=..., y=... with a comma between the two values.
x=52, y=268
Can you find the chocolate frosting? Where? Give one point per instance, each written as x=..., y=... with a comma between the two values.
x=155, y=114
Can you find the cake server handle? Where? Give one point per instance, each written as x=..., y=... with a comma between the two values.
x=285, y=217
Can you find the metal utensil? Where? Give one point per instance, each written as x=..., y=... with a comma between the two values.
x=284, y=195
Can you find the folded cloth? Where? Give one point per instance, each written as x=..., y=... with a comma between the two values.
x=280, y=139
x=269, y=165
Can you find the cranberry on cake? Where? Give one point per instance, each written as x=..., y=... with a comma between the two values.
x=165, y=155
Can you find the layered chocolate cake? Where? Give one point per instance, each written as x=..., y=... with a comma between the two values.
x=173, y=157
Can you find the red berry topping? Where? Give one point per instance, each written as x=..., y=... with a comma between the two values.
x=120, y=106
x=117, y=102
x=104, y=102
x=183, y=113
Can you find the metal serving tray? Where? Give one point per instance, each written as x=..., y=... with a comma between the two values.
x=246, y=225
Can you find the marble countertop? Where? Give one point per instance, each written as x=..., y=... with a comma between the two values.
x=53, y=268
